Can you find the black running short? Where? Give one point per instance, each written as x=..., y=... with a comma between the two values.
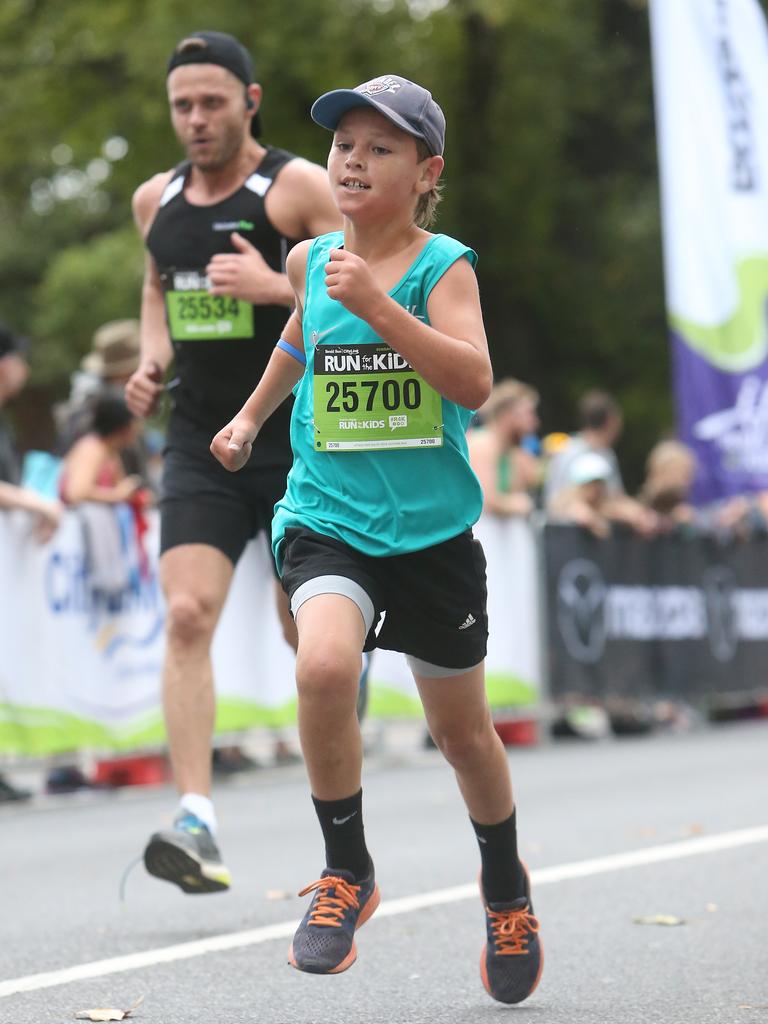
x=433, y=601
x=203, y=503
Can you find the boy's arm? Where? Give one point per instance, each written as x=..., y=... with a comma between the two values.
x=233, y=444
x=451, y=353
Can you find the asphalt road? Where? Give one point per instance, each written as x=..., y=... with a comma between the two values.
x=674, y=825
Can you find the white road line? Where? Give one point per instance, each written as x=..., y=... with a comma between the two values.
x=390, y=908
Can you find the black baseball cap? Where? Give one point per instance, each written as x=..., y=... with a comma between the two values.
x=217, y=48
x=405, y=104
x=12, y=344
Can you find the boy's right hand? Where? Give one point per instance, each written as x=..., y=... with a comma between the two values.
x=233, y=444
x=144, y=387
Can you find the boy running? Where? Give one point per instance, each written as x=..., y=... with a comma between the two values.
x=386, y=354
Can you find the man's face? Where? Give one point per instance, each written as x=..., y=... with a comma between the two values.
x=14, y=371
x=208, y=113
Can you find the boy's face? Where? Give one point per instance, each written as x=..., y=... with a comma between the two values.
x=374, y=167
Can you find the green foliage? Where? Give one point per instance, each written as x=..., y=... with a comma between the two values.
x=550, y=172
x=85, y=286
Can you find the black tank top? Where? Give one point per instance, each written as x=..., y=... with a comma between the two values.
x=221, y=345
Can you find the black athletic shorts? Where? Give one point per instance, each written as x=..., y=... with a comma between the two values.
x=433, y=601
x=203, y=503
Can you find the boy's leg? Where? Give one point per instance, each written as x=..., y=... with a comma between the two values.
x=332, y=632
x=460, y=722
x=331, y=637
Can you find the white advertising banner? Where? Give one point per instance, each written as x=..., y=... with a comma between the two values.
x=710, y=62
x=80, y=669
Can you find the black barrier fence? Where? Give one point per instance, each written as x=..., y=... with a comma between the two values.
x=673, y=616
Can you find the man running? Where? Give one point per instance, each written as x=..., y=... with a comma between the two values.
x=217, y=229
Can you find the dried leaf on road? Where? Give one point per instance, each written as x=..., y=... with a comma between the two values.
x=694, y=830
x=278, y=894
x=667, y=920
x=109, y=1013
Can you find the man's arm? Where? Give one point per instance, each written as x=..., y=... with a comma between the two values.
x=315, y=207
x=145, y=385
x=233, y=444
x=300, y=206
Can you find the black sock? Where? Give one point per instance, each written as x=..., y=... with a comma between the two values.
x=503, y=876
x=342, y=825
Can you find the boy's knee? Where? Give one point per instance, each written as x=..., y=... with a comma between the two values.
x=463, y=744
x=324, y=673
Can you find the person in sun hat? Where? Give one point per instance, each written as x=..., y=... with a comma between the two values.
x=387, y=356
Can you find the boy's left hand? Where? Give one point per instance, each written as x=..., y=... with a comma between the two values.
x=349, y=280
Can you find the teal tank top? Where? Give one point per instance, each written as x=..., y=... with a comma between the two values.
x=385, y=502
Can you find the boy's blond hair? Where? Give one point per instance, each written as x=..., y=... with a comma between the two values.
x=426, y=207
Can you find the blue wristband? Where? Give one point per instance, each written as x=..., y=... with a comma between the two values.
x=297, y=354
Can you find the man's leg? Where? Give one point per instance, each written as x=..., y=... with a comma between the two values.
x=460, y=722
x=332, y=632
x=195, y=579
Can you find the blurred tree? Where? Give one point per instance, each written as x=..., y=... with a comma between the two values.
x=550, y=173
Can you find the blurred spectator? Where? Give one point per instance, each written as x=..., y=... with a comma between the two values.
x=587, y=499
x=93, y=467
x=670, y=469
x=509, y=473
x=104, y=370
x=94, y=479
x=14, y=371
x=601, y=425
x=103, y=373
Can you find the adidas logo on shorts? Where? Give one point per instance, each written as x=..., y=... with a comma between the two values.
x=469, y=621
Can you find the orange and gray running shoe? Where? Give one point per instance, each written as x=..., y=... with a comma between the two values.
x=512, y=959
x=324, y=942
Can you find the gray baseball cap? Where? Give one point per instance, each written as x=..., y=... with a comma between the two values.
x=405, y=104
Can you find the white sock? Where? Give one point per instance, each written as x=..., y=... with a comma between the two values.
x=202, y=808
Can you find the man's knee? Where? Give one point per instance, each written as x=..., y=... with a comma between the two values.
x=189, y=618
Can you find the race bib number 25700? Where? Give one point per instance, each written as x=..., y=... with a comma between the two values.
x=368, y=398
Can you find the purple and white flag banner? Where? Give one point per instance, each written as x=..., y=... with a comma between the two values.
x=711, y=81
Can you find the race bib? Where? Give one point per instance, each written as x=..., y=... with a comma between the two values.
x=195, y=315
x=368, y=398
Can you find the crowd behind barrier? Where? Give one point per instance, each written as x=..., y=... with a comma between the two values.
x=678, y=615
x=572, y=617
x=81, y=665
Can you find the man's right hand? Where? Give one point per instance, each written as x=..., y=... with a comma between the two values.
x=233, y=444
x=144, y=387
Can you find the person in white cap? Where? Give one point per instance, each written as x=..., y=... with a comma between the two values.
x=587, y=499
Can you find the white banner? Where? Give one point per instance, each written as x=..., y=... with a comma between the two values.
x=79, y=670
x=711, y=83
